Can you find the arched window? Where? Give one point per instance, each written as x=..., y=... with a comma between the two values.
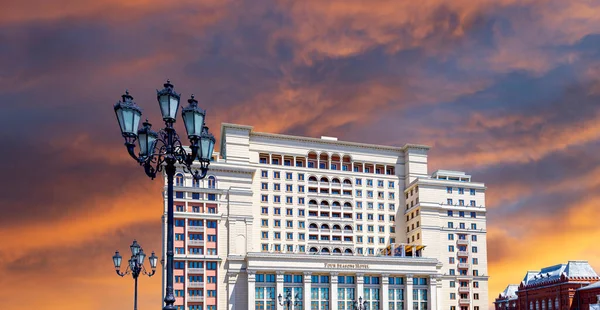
x=348, y=251
x=312, y=179
x=324, y=180
x=556, y=303
x=335, y=204
x=212, y=182
x=347, y=182
x=347, y=204
x=335, y=181
x=336, y=226
x=179, y=179
x=531, y=305
x=537, y=305
x=195, y=183
x=337, y=251
x=313, y=250
x=348, y=227
x=325, y=226
x=324, y=203
x=325, y=250
x=313, y=225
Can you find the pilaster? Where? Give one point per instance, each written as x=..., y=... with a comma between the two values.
x=333, y=286
x=409, y=292
x=251, y=289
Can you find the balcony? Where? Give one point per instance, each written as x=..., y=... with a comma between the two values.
x=195, y=228
x=195, y=242
x=195, y=270
x=463, y=265
x=464, y=301
x=464, y=289
x=195, y=284
x=463, y=254
x=462, y=242
x=195, y=298
x=313, y=205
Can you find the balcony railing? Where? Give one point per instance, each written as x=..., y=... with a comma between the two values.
x=195, y=270
x=195, y=298
x=462, y=242
x=195, y=242
x=195, y=284
x=195, y=228
x=463, y=265
x=464, y=289
x=464, y=301
x=463, y=253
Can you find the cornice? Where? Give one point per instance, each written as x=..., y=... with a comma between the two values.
x=251, y=131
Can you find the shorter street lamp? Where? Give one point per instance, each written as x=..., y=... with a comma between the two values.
x=135, y=265
x=360, y=304
x=288, y=300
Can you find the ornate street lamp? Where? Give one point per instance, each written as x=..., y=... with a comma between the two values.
x=163, y=150
x=360, y=304
x=288, y=300
x=135, y=266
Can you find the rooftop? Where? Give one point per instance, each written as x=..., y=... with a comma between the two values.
x=572, y=270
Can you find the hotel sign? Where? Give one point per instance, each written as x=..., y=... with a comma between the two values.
x=347, y=266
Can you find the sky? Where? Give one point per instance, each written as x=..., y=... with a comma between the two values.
x=506, y=90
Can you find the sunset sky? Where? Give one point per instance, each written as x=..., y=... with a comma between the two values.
x=506, y=90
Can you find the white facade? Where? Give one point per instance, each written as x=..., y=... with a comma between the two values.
x=318, y=218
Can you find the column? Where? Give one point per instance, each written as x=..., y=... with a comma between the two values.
x=403, y=250
x=279, y=289
x=414, y=251
x=307, y=281
x=385, y=297
x=432, y=292
x=251, y=289
x=270, y=159
x=360, y=286
x=333, y=286
x=408, y=293
x=231, y=279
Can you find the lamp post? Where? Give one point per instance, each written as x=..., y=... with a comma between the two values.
x=288, y=300
x=135, y=266
x=360, y=304
x=163, y=150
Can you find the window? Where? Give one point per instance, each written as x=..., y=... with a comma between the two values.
x=450, y=260
x=461, y=225
x=288, y=200
x=475, y=284
x=452, y=296
x=264, y=198
x=450, y=225
x=276, y=199
x=211, y=238
x=475, y=272
x=264, y=235
x=288, y=175
x=452, y=272
x=461, y=190
x=449, y=190
x=474, y=249
x=472, y=203
x=179, y=223
x=472, y=191
x=264, y=223
x=461, y=213
x=179, y=208
x=264, y=210
x=277, y=223
x=264, y=173
x=474, y=238
x=358, y=181
x=450, y=213
x=449, y=201
x=461, y=202
x=391, y=184
x=179, y=195
x=475, y=261
x=301, y=176
x=473, y=226
x=450, y=248
x=301, y=189
x=452, y=284
x=450, y=236
x=211, y=265
x=212, y=197
x=212, y=182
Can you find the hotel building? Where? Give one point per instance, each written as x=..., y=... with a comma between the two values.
x=327, y=222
